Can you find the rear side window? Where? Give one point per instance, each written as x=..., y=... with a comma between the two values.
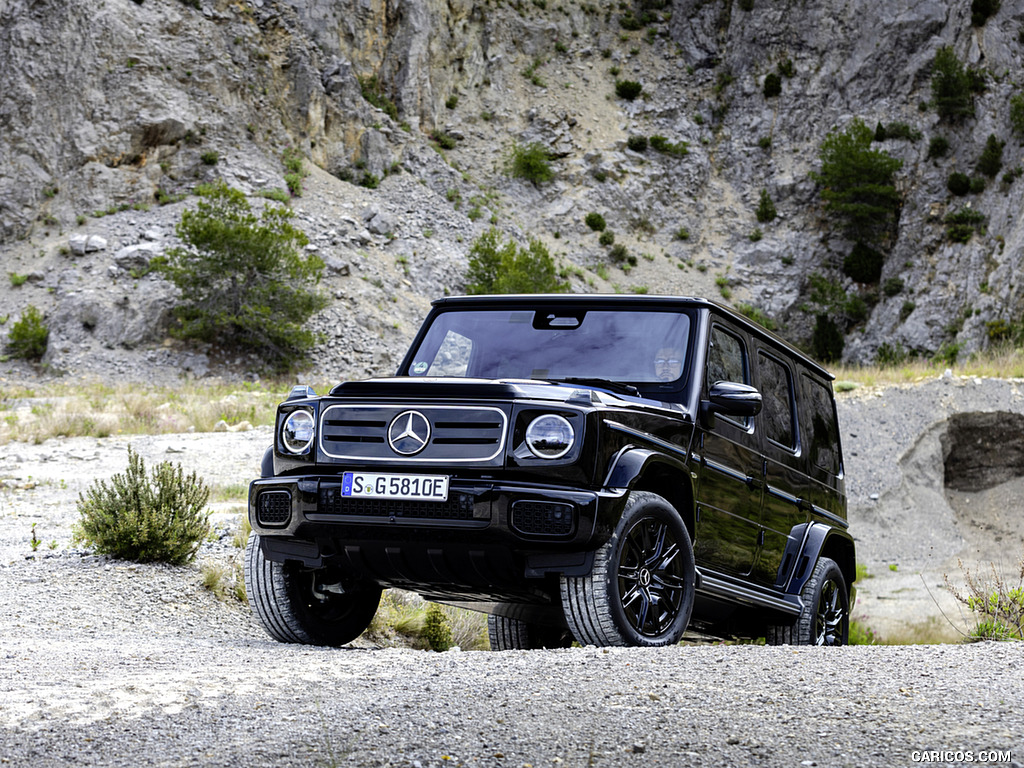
x=777, y=413
x=822, y=433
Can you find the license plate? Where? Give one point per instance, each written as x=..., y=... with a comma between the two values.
x=373, y=485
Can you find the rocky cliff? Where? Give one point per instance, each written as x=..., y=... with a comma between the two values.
x=405, y=111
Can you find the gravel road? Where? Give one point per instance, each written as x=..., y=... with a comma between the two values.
x=108, y=663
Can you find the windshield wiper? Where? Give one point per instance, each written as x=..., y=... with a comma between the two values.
x=614, y=386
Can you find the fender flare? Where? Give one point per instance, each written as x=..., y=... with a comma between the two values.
x=267, y=463
x=815, y=539
x=632, y=465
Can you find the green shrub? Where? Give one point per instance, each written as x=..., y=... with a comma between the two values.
x=961, y=225
x=681, y=234
x=991, y=160
x=977, y=185
x=509, y=268
x=666, y=147
x=958, y=183
x=17, y=280
x=29, y=336
x=827, y=341
x=627, y=89
x=369, y=180
x=607, y=238
x=952, y=86
x=786, y=68
x=982, y=10
x=452, y=102
x=210, y=157
x=637, y=143
x=893, y=286
x=857, y=182
x=938, y=147
x=595, y=221
x=437, y=630
x=997, y=602
x=890, y=355
x=244, y=282
x=896, y=131
x=772, y=85
x=766, y=208
x=863, y=264
x=620, y=255
x=373, y=92
x=276, y=194
x=159, y=519
x=1017, y=114
x=530, y=163
x=443, y=140
x=759, y=316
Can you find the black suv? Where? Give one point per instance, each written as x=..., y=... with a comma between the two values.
x=607, y=469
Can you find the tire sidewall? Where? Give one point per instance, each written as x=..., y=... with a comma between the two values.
x=827, y=570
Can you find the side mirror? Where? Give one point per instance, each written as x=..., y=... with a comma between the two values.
x=731, y=398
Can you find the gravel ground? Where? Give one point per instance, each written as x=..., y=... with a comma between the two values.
x=111, y=663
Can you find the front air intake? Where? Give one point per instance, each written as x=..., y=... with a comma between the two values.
x=274, y=508
x=543, y=518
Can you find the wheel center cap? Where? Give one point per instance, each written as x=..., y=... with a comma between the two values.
x=645, y=577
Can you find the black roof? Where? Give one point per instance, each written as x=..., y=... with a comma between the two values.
x=623, y=301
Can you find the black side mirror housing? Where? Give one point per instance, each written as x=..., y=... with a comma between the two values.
x=730, y=398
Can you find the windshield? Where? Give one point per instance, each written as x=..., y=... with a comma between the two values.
x=640, y=347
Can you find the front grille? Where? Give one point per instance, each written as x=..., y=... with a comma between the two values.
x=458, y=434
x=458, y=507
x=542, y=518
x=274, y=508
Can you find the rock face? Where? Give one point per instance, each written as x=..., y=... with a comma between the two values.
x=109, y=107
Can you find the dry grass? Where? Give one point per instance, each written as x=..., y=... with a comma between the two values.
x=97, y=409
x=999, y=362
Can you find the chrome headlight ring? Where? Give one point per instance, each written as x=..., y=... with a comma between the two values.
x=298, y=431
x=550, y=436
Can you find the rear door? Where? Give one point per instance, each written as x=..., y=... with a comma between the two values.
x=730, y=481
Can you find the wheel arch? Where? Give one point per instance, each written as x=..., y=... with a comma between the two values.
x=825, y=541
x=642, y=469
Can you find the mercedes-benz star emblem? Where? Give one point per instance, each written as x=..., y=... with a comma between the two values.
x=409, y=433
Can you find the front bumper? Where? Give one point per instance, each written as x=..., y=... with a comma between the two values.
x=487, y=534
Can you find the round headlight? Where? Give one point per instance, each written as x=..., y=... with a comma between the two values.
x=297, y=432
x=549, y=436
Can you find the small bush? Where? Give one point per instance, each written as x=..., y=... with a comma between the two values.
x=530, y=163
x=452, y=102
x=369, y=180
x=997, y=602
x=827, y=341
x=786, y=68
x=938, y=147
x=958, y=183
x=607, y=238
x=977, y=185
x=681, y=234
x=1017, y=114
x=28, y=336
x=443, y=140
x=637, y=143
x=863, y=264
x=666, y=147
x=373, y=92
x=17, y=280
x=437, y=630
x=991, y=160
x=159, y=519
x=982, y=10
x=772, y=85
x=893, y=286
x=952, y=86
x=595, y=221
x=628, y=89
x=509, y=268
x=890, y=355
x=766, y=208
x=210, y=157
x=961, y=225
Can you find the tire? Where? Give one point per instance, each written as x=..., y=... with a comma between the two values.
x=507, y=634
x=825, y=617
x=641, y=589
x=293, y=608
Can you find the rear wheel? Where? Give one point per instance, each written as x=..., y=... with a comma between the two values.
x=304, y=605
x=508, y=634
x=641, y=588
x=825, y=618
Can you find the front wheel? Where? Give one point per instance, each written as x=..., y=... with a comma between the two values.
x=304, y=605
x=825, y=617
x=641, y=589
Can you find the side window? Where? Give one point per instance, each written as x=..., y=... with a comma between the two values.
x=727, y=361
x=823, y=437
x=777, y=412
